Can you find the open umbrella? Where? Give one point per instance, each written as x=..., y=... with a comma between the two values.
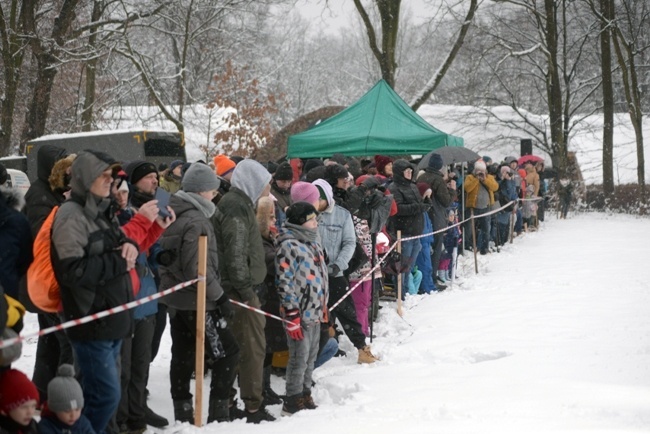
x=450, y=155
x=529, y=158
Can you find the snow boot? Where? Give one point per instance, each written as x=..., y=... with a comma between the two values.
x=259, y=416
x=184, y=411
x=308, y=401
x=154, y=419
x=293, y=404
x=366, y=356
x=218, y=410
x=270, y=397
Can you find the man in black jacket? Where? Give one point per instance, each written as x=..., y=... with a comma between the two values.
x=92, y=258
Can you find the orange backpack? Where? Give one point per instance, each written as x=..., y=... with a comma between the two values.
x=42, y=286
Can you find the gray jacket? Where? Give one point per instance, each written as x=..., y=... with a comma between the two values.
x=182, y=237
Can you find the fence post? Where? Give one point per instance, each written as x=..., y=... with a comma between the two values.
x=471, y=220
x=200, y=330
x=399, y=274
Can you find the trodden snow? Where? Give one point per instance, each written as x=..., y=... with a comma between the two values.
x=552, y=335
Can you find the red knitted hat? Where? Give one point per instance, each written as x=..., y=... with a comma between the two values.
x=381, y=162
x=15, y=390
x=223, y=165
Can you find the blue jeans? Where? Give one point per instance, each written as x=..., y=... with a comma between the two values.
x=328, y=351
x=410, y=251
x=100, y=379
x=302, y=355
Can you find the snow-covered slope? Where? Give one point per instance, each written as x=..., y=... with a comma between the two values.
x=551, y=336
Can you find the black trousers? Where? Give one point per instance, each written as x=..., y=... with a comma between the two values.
x=136, y=357
x=52, y=351
x=182, y=327
x=345, y=312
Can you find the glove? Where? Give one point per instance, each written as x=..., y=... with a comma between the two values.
x=224, y=307
x=370, y=182
x=333, y=270
x=294, y=328
x=424, y=206
x=373, y=201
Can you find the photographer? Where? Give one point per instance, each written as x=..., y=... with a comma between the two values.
x=480, y=188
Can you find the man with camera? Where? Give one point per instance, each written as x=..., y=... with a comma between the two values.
x=479, y=187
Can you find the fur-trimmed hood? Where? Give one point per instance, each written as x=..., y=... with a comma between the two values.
x=12, y=198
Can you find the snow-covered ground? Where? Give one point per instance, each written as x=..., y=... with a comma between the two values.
x=552, y=335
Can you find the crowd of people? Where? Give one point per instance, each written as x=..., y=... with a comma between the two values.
x=290, y=239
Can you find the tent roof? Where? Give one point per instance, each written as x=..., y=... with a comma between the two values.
x=380, y=122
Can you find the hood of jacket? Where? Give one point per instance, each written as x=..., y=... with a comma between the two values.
x=47, y=156
x=399, y=166
x=329, y=194
x=250, y=177
x=11, y=198
x=87, y=167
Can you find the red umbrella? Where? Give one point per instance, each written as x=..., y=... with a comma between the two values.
x=529, y=158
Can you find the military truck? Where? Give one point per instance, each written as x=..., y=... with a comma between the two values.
x=123, y=145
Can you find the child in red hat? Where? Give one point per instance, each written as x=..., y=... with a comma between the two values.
x=18, y=400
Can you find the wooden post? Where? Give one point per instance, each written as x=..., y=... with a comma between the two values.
x=471, y=216
x=513, y=217
x=399, y=274
x=200, y=331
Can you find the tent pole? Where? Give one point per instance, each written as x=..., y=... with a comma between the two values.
x=399, y=275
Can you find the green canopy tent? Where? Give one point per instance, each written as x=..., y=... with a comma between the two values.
x=380, y=122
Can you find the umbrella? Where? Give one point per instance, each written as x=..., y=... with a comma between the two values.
x=529, y=158
x=450, y=155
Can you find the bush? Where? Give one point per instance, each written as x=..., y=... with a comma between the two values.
x=627, y=199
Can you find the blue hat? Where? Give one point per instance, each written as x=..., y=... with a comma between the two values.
x=435, y=162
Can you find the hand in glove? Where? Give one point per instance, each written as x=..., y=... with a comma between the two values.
x=425, y=206
x=225, y=308
x=294, y=328
x=333, y=270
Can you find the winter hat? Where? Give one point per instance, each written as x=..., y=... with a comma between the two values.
x=422, y=187
x=271, y=167
x=304, y=192
x=510, y=159
x=480, y=166
x=381, y=162
x=64, y=392
x=311, y=163
x=223, y=164
x=435, y=162
x=339, y=158
x=301, y=212
x=487, y=159
x=334, y=172
x=138, y=169
x=124, y=185
x=284, y=172
x=175, y=164
x=315, y=173
x=15, y=390
x=11, y=353
x=199, y=177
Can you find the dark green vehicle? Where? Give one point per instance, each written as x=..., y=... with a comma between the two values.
x=123, y=145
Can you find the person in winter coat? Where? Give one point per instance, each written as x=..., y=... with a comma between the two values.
x=18, y=401
x=65, y=401
x=92, y=258
x=423, y=261
x=302, y=288
x=267, y=292
x=16, y=241
x=170, y=179
x=507, y=193
x=224, y=167
x=242, y=267
x=443, y=190
x=532, y=177
x=53, y=168
x=450, y=242
x=143, y=225
x=409, y=218
x=479, y=187
x=194, y=208
x=338, y=239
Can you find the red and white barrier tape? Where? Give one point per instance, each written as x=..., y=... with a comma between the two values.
x=98, y=315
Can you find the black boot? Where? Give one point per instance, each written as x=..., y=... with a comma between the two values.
x=184, y=411
x=154, y=419
x=270, y=397
x=218, y=411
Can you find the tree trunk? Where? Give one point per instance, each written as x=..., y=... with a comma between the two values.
x=12, y=61
x=608, y=98
x=553, y=87
x=91, y=74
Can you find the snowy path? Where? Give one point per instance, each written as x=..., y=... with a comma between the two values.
x=553, y=335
